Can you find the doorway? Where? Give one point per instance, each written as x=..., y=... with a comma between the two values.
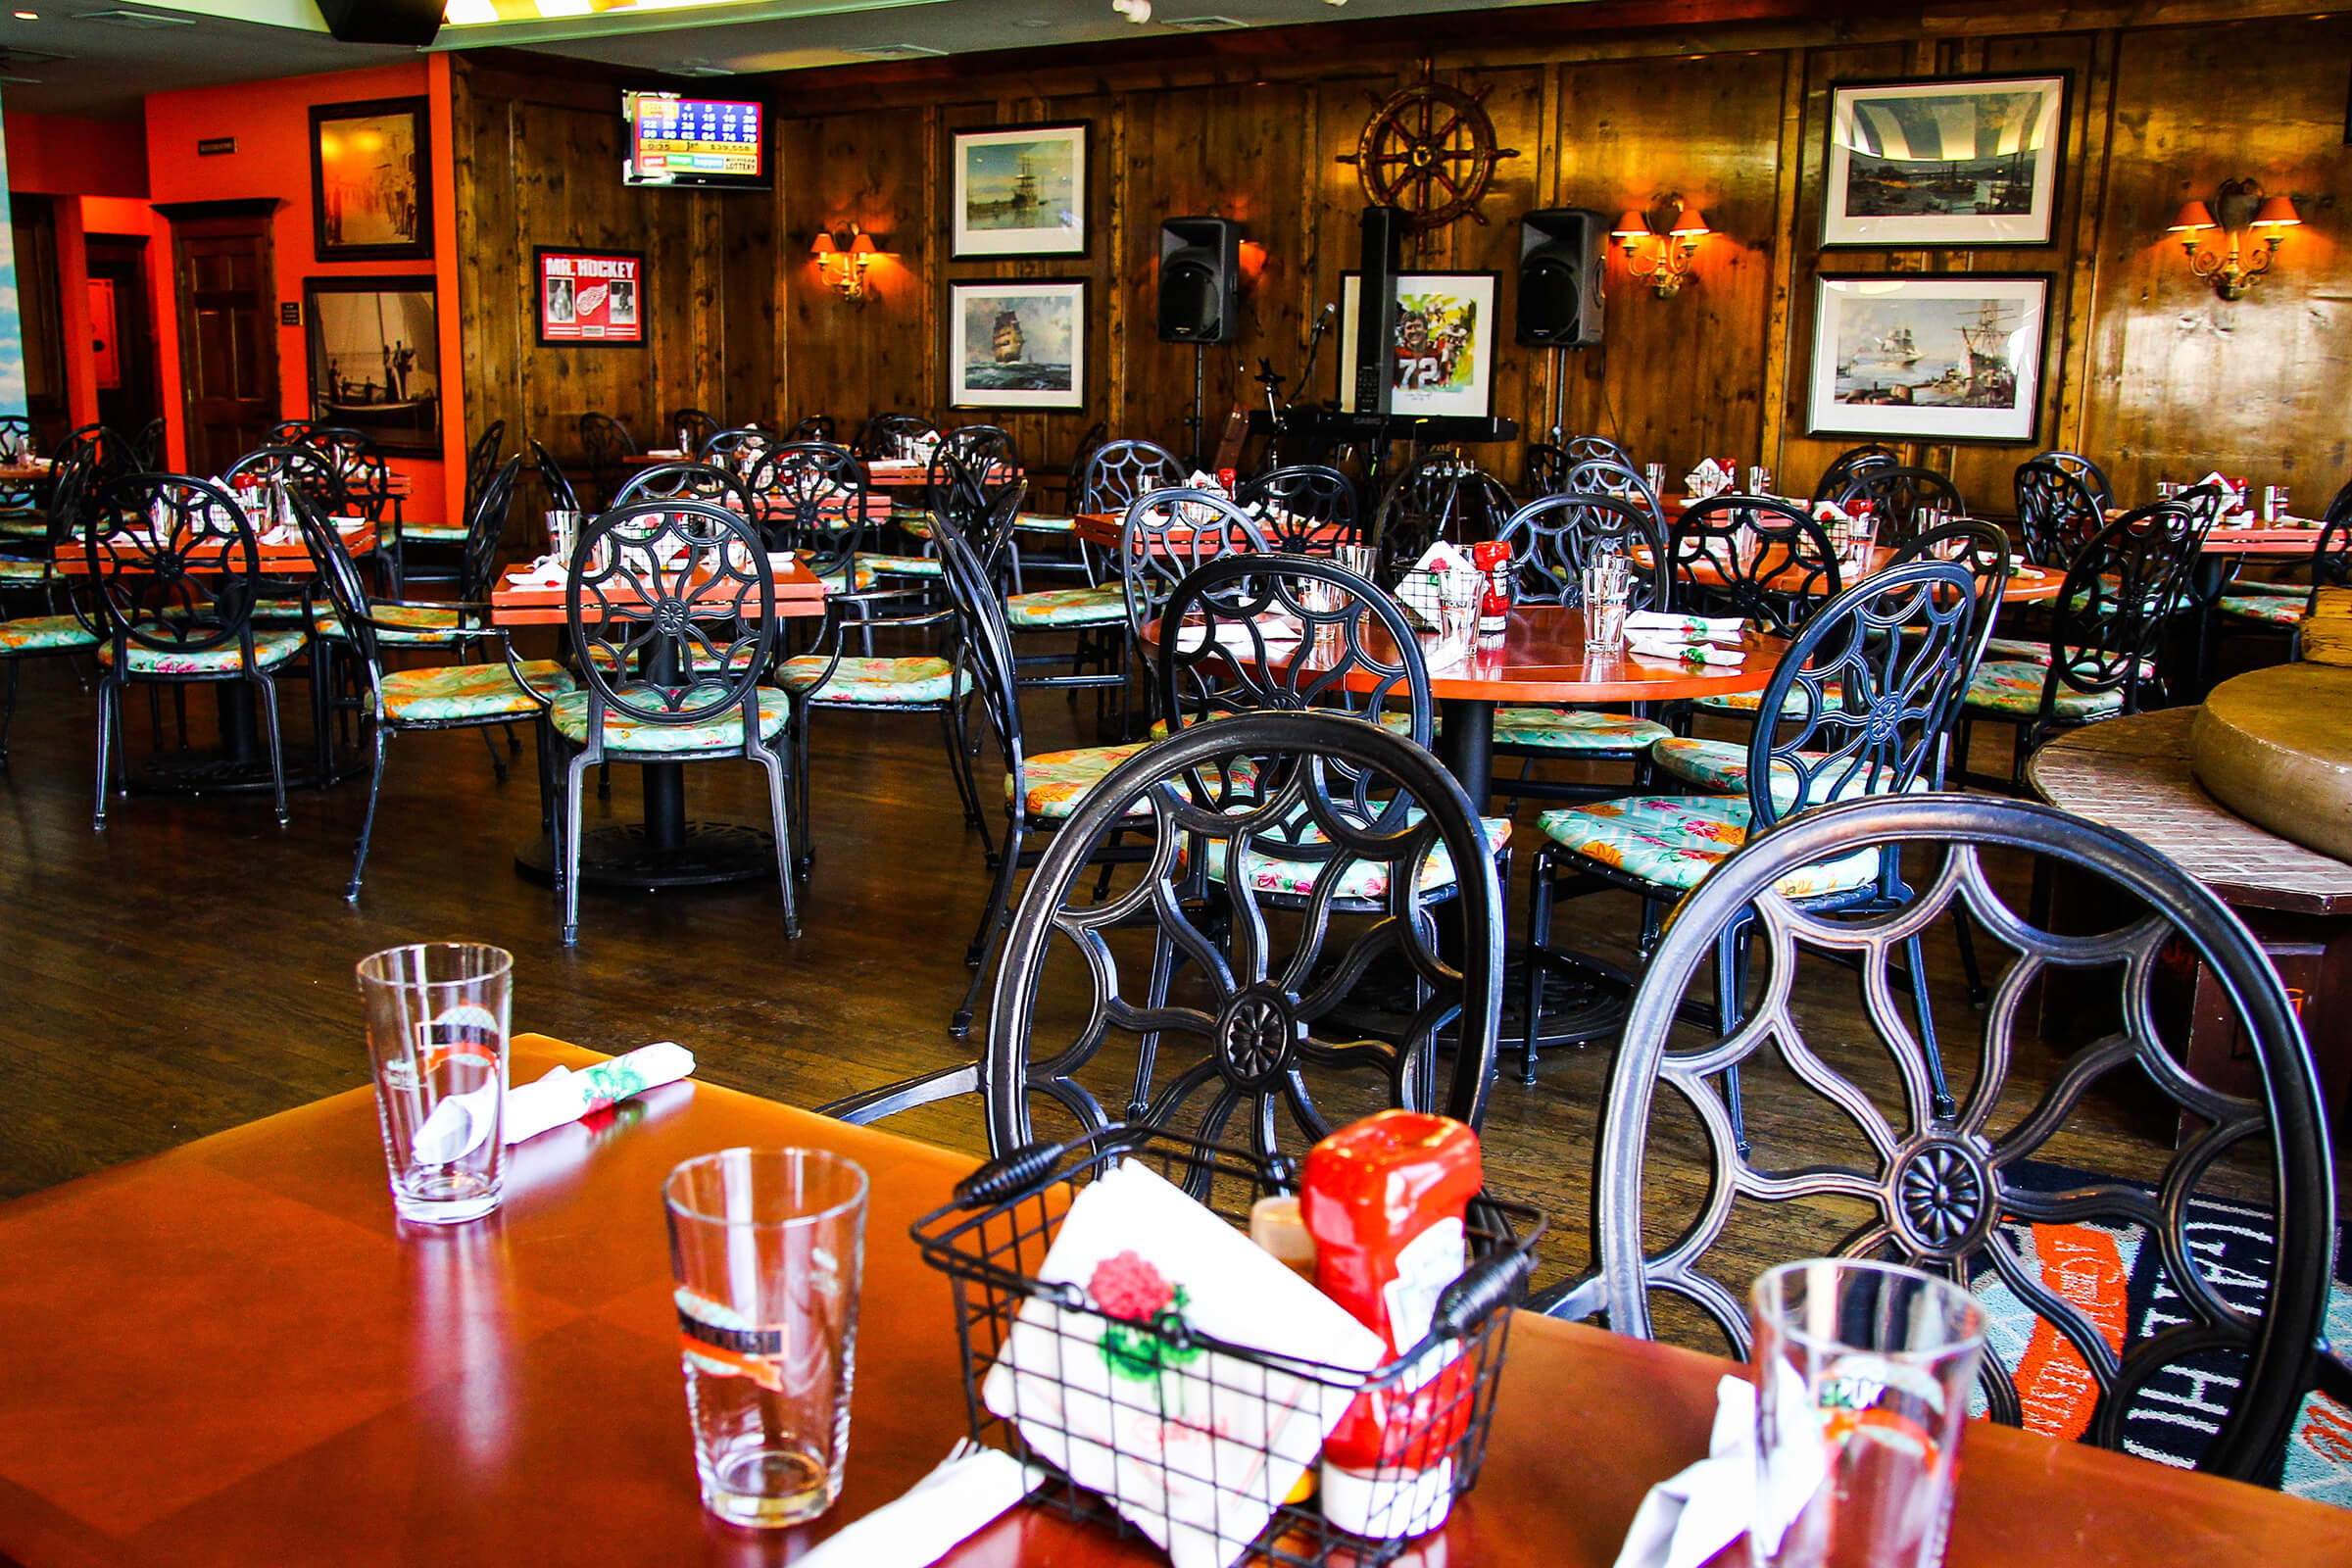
x=122, y=333
x=227, y=330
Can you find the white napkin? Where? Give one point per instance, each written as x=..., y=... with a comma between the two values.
x=1709, y=478
x=971, y=1488
x=1274, y=631
x=1202, y=480
x=1689, y=1518
x=1141, y=1437
x=565, y=1096
x=1686, y=653
x=1715, y=629
x=547, y=571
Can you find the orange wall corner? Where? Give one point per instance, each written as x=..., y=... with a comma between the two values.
x=56, y=155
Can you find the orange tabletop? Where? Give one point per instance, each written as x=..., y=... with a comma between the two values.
x=2268, y=539
x=24, y=473
x=281, y=556
x=799, y=592
x=232, y=1353
x=2027, y=584
x=1105, y=528
x=902, y=474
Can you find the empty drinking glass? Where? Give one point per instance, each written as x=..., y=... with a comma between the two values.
x=1608, y=581
x=766, y=1247
x=437, y=1039
x=1655, y=474
x=1759, y=480
x=1863, y=1372
x=1458, y=595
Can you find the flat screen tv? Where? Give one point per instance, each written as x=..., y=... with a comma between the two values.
x=676, y=141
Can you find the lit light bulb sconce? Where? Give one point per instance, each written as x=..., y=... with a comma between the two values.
x=1666, y=268
x=842, y=261
x=2245, y=210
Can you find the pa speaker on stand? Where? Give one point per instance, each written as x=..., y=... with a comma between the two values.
x=1200, y=297
x=1561, y=250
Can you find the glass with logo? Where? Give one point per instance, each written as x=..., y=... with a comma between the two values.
x=437, y=1041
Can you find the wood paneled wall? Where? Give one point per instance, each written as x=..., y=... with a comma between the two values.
x=538, y=163
x=2145, y=368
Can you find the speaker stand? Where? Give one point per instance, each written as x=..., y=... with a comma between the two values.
x=1197, y=420
x=1559, y=393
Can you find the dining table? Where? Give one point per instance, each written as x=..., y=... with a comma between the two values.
x=1107, y=529
x=665, y=848
x=233, y=1354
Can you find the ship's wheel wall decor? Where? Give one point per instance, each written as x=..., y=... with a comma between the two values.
x=1429, y=149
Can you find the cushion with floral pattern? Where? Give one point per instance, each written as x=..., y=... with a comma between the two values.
x=14, y=572
x=1269, y=873
x=2269, y=585
x=1794, y=705
x=1031, y=523
x=863, y=682
x=1574, y=729
x=1395, y=721
x=43, y=635
x=433, y=533
x=448, y=693
x=1066, y=606
x=840, y=581
x=1722, y=766
x=718, y=729
x=2018, y=650
x=1059, y=780
x=1675, y=840
x=2271, y=610
x=901, y=566
x=2014, y=689
x=24, y=525
x=404, y=623
x=271, y=648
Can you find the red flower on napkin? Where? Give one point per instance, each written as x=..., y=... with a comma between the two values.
x=1126, y=1286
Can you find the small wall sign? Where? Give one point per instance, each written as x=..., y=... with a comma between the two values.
x=289, y=313
x=215, y=146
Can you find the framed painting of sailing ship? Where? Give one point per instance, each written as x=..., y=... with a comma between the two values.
x=1943, y=163
x=372, y=180
x=1020, y=190
x=1018, y=344
x=1950, y=358
x=589, y=298
x=376, y=359
x=1445, y=343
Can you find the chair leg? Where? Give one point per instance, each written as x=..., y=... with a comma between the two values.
x=950, y=732
x=777, y=784
x=543, y=748
x=375, y=784
x=804, y=858
x=277, y=755
x=498, y=763
x=991, y=919
x=109, y=709
x=1915, y=956
x=1964, y=936
x=1730, y=995
x=8, y=713
x=1539, y=937
x=567, y=852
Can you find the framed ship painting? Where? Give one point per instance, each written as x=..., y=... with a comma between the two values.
x=1943, y=163
x=376, y=359
x=371, y=181
x=1951, y=358
x=1019, y=344
x=1020, y=190
x=1445, y=343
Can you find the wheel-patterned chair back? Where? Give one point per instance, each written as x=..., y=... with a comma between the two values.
x=813, y=427
x=2057, y=513
x=694, y=428
x=1306, y=509
x=485, y=531
x=174, y=563
x=2091, y=475
x=1849, y=465
x=810, y=497
x=147, y=447
x=1119, y=473
x=739, y=450
x=1443, y=496
x=1607, y=476
x=1904, y=501
x=306, y=470
x=2108, y=623
x=1754, y=556
x=561, y=497
x=1553, y=538
x=1169, y=534
x=885, y=434
x=604, y=443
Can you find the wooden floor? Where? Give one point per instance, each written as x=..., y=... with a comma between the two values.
x=190, y=968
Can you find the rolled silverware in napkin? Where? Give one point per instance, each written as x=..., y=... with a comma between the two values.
x=969, y=1488
x=1719, y=628
x=460, y=1122
x=1686, y=653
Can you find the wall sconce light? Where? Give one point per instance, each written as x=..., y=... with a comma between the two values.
x=1670, y=263
x=2243, y=207
x=842, y=263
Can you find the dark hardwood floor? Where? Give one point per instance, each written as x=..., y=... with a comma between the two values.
x=189, y=968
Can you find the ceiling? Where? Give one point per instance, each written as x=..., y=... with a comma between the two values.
x=96, y=59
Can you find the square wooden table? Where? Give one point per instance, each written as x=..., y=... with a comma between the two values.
x=232, y=1353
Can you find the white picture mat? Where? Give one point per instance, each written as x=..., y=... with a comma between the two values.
x=1839, y=227
x=1064, y=236
x=979, y=302
x=1839, y=301
x=1476, y=398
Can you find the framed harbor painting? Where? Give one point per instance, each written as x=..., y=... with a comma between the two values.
x=1020, y=190
x=1018, y=344
x=376, y=359
x=1444, y=359
x=372, y=180
x=1943, y=163
x=1950, y=358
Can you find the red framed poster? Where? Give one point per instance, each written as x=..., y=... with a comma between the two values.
x=590, y=297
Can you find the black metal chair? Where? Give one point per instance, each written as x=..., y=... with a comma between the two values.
x=1903, y=501
x=1957, y=1192
x=1119, y=477
x=673, y=608
x=694, y=429
x=2280, y=602
x=1225, y=1039
x=1442, y=496
x=1851, y=463
x=463, y=695
x=2107, y=630
x=1168, y=535
x=2084, y=471
x=22, y=503
x=306, y=470
x=2057, y=513
x=885, y=435
x=1754, y=557
x=705, y=483
x=1306, y=509
x=1863, y=709
x=147, y=447
x=813, y=427
x=605, y=444
x=289, y=432
x=1546, y=468
x=552, y=484
x=810, y=498
x=174, y=566
x=739, y=450
x=55, y=633
x=482, y=463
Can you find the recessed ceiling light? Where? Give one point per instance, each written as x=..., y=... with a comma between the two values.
x=29, y=16
x=119, y=17
x=895, y=51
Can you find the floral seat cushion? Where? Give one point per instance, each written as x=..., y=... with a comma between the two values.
x=2271, y=610
x=449, y=693
x=2018, y=650
x=1794, y=705
x=1059, y=780
x=1065, y=606
x=2013, y=690
x=18, y=574
x=1722, y=765
x=1675, y=840
x=2240, y=585
x=718, y=729
x=404, y=623
x=901, y=566
x=1395, y=720
x=871, y=682
x=1269, y=873
x=44, y=634
x=271, y=648
x=1574, y=729
x=841, y=579
x=433, y=533
x=1031, y=523
x=22, y=526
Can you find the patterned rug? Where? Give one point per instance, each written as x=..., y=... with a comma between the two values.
x=2120, y=1284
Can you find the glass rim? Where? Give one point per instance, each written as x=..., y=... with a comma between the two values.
x=1971, y=1337
x=671, y=1202
x=369, y=973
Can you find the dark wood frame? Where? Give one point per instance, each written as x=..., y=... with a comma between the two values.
x=954, y=325
x=2065, y=79
x=423, y=443
x=2041, y=354
x=1086, y=202
x=1494, y=329
x=418, y=109
x=539, y=253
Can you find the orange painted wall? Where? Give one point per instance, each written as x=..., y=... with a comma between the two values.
x=270, y=122
x=52, y=155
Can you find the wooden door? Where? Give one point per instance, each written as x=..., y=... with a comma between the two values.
x=227, y=338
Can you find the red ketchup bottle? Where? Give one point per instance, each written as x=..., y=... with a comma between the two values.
x=1384, y=1199
x=1492, y=558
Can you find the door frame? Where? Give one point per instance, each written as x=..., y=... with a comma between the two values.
x=221, y=219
